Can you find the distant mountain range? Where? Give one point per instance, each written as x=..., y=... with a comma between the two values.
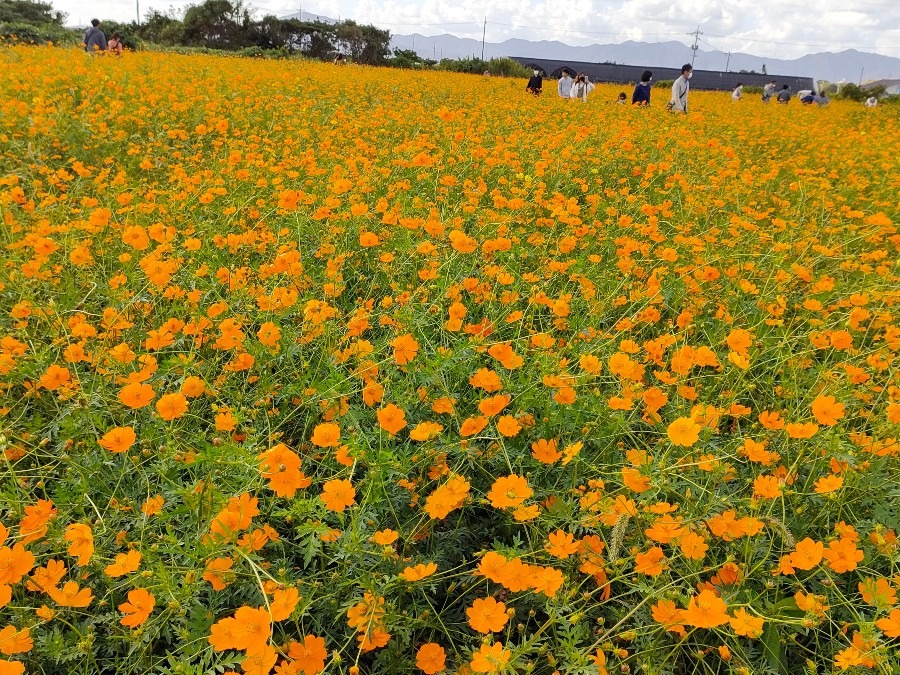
x=850, y=65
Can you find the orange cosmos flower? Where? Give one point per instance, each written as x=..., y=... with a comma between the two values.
x=338, y=495
x=828, y=484
x=494, y=405
x=652, y=563
x=472, y=426
x=425, y=431
x=138, y=608
x=878, y=592
x=283, y=603
x=739, y=340
x=890, y=625
x=217, y=573
x=545, y=451
x=418, y=572
x=391, y=418
x=15, y=641
x=561, y=544
x=801, y=430
x=34, y=525
x=326, y=435
x=193, y=386
x=125, y=564
x=684, y=432
x=385, y=537
x=368, y=239
x=486, y=379
x=70, y=595
x=842, y=555
x=253, y=628
x=771, y=420
x=447, y=498
x=693, y=546
x=486, y=615
x=766, y=487
x=490, y=659
x=509, y=492
x=807, y=554
x=309, y=655
x=508, y=426
x=260, y=660
x=269, y=334
x=431, y=658
x=55, y=377
x=405, y=349
x=118, y=439
x=81, y=542
x=706, y=610
x=171, y=406
x=136, y=395
x=746, y=625
x=667, y=613
x=827, y=410
x=153, y=505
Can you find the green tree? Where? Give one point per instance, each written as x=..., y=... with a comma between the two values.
x=26, y=11
x=217, y=24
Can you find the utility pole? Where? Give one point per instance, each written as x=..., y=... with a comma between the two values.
x=483, y=33
x=727, y=62
x=696, y=44
x=861, y=71
x=138, y=10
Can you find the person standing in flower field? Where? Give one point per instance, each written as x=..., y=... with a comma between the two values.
x=535, y=83
x=564, y=86
x=768, y=92
x=94, y=39
x=581, y=87
x=738, y=92
x=679, y=100
x=784, y=96
x=115, y=44
x=641, y=95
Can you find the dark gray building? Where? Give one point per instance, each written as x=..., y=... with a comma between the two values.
x=712, y=80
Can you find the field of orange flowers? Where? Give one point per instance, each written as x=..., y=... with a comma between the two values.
x=330, y=369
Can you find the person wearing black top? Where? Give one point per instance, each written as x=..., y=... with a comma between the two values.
x=535, y=84
x=641, y=95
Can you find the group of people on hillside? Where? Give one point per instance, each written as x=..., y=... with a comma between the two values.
x=581, y=86
x=95, y=40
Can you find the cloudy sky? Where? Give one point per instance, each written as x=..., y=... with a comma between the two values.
x=775, y=28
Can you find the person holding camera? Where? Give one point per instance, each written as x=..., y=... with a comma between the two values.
x=581, y=87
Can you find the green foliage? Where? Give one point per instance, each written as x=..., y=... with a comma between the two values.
x=502, y=67
x=27, y=11
x=853, y=92
x=408, y=58
x=37, y=34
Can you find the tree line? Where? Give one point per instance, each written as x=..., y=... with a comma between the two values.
x=213, y=24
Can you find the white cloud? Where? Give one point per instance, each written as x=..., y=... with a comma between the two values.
x=773, y=28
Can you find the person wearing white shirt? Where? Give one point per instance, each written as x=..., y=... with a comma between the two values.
x=738, y=92
x=680, y=88
x=581, y=87
x=564, y=87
